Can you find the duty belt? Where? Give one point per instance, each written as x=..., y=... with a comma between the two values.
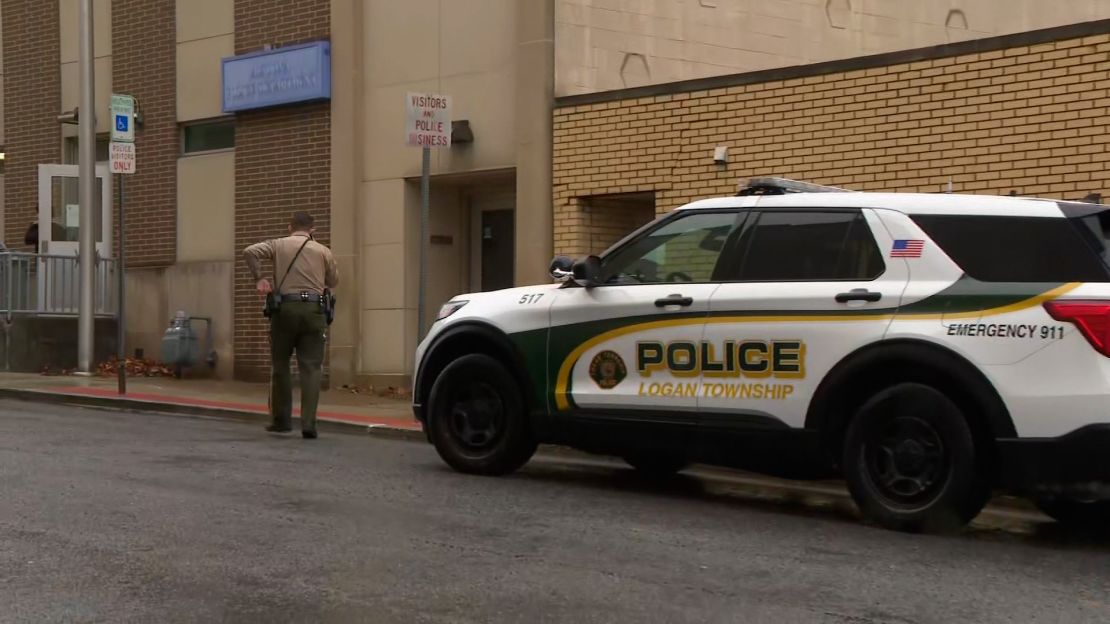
x=305, y=296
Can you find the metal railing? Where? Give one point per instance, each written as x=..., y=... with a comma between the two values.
x=49, y=285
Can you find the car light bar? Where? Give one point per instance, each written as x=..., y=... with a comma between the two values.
x=781, y=186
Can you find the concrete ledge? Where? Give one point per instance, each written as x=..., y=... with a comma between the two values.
x=32, y=343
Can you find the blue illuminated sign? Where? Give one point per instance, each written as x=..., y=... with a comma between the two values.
x=300, y=73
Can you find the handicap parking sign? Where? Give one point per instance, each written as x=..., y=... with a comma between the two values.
x=122, y=112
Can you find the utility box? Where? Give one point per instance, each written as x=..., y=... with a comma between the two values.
x=181, y=347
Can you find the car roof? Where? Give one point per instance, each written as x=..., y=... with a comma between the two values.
x=908, y=203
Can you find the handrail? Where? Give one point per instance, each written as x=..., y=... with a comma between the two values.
x=49, y=285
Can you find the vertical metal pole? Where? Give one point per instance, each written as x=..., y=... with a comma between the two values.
x=425, y=174
x=120, y=351
x=10, y=294
x=86, y=142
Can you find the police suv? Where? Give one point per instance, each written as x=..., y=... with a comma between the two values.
x=929, y=348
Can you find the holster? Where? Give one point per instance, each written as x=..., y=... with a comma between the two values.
x=272, y=306
x=328, y=301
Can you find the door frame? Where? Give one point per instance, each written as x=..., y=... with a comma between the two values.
x=486, y=202
x=48, y=269
x=46, y=173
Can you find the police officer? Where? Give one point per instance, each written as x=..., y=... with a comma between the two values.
x=303, y=269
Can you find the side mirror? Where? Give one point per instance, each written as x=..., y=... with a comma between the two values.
x=562, y=269
x=587, y=272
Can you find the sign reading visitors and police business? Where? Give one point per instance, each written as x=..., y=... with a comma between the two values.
x=427, y=120
x=289, y=75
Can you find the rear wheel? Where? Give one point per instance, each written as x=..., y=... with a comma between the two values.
x=656, y=465
x=477, y=419
x=910, y=461
x=1088, y=515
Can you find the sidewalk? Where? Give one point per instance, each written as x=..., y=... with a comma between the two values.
x=210, y=397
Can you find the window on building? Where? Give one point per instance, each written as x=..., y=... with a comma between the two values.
x=71, y=156
x=1018, y=249
x=810, y=246
x=609, y=218
x=208, y=136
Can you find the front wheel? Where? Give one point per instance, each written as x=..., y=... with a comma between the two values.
x=1088, y=515
x=477, y=419
x=910, y=461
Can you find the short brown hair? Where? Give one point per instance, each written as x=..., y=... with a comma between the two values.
x=301, y=221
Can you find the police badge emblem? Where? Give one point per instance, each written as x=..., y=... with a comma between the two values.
x=607, y=370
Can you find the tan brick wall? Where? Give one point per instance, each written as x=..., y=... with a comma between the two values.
x=32, y=91
x=282, y=164
x=144, y=65
x=1031, y=119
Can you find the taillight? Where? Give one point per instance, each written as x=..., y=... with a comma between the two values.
x=1091, y=317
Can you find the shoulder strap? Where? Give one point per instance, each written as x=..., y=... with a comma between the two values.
x=324, y=256
x=290, y=267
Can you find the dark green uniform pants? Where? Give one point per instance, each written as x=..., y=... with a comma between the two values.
x=300, y=326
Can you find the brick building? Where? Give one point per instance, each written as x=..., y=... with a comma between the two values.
x=607, y=108
x=1024, y=113
x=218, y=169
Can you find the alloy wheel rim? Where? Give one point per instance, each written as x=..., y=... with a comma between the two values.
x=907, y=461
x=477, y=417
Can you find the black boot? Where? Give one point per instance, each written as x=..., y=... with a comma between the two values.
x=308, y=435
x=278, y=429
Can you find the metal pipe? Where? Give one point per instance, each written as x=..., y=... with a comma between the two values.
x=120, y=354
x=9, y=303
x=425, y=200
x=86, y=173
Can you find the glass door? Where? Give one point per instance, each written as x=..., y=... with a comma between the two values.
x=59, y=236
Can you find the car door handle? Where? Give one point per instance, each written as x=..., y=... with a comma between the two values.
x=858, y=294
x=674, y=300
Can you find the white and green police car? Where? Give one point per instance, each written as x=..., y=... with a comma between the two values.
x=929, y=348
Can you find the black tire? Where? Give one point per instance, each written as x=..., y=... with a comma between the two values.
x=656, y=465
x=477, y=419
x=910, y=461
x=1086, y=515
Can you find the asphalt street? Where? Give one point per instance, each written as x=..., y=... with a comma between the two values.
x=120, y=517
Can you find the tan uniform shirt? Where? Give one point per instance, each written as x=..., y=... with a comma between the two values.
x=313, y=271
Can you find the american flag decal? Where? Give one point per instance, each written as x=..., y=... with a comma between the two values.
x=907, y=248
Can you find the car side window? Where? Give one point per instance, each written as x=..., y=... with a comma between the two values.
x=1021, y=249
x=795, y=245
x=682, y=249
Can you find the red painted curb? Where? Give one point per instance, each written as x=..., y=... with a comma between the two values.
x=342, y=417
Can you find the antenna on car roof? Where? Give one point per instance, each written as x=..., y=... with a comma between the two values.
x=782, y=186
